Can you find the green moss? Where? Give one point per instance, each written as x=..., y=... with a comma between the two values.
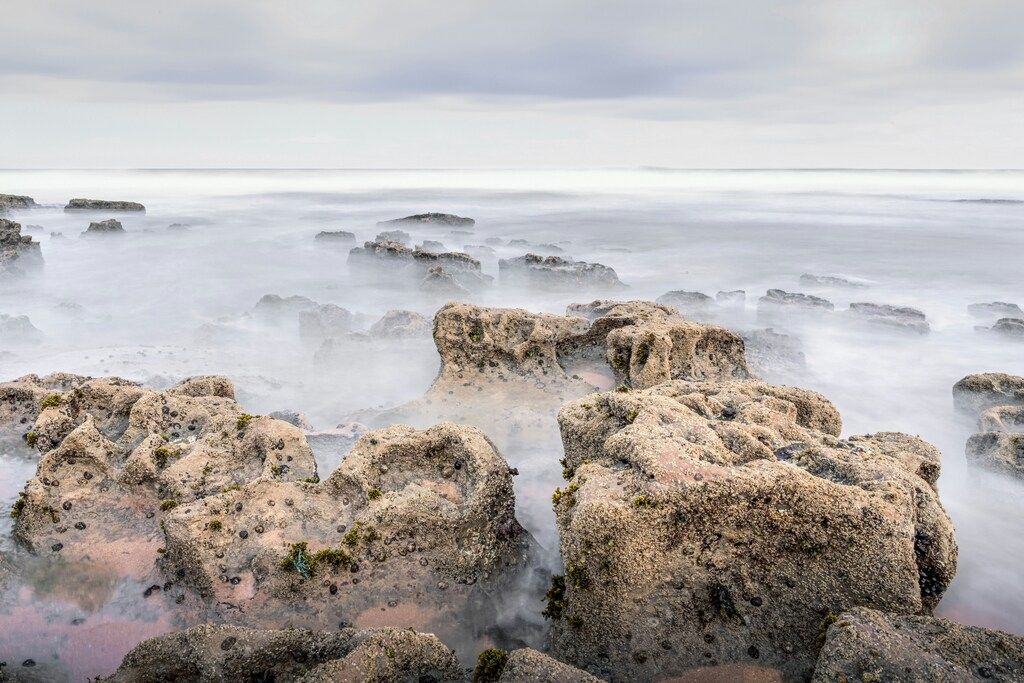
x=632, y=415
x=351, y=539
x=336, y=557
x=18, y=506
x=168, y=504
x=243, y=421
x=823, y=628
x=215, y=525
x=163, y=455
x=622, y=388
x=374, y=493
x=298, y=560
x=555, y=598
x=276, y=470
x=370, y=535
x=490, y=665
x=231, y=487
x=577, y=577
x=569, y=494
x=51, y=401
x=567, y=471
x=315, y=479
x=643, y=502
x=31, y=439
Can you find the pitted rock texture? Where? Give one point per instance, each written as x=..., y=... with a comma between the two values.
x=18, y=253
x=414, y=528
x=976, y=393
x=103, y=205
x=442, y=219
x=723, y=522
x=21, y=401
x=229, y=653
x=867, y=645
x=118, y=456
x=555, y=272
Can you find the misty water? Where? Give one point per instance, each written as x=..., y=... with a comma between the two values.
x=157, y=305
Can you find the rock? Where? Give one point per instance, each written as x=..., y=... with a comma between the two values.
x=179, y=227
x=56, y=235
x=275, y=308
x=975, y=393
x=18, y=329
x=15, y=201
x=1002, y=419
x=18, y=253
x=21, y=401
x=439, y=281
x=414, y=528
x=399, y=236
x=777, y=298
x=103, y=205
x=898, y=317
x=771, y=354
x=432, y=246
x=526, y=665
x=997, y=451
x=401, y=325
x=1012, y=328
x=444, y=219
x=554, y=272
x=995, y=309
x=479, y=251
x=118, y=456
x=110, y=226
x=326, y=320
x=694, y=304
x=867, y=645
x=724, y=521
x=336, y=236
x=420, y=265
x=231, y=653
x=736, y=298
x=829, y=281
x=294, y=418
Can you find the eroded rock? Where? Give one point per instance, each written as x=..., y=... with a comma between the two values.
x=103, y=205
x=111, y=226
x=16, y=202
x=902, y=318
x=723, y=522
x=976, y=393
x=336, y=236
x=18, y=253
x=400, y=324
x=555, y=272
x=868, y=645
x=22, y=399
x=776, y=298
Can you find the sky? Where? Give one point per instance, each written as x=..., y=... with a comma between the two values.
x=475, y=83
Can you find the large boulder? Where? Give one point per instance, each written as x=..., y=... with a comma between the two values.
x=414, y=529
x=118, y=457
x=103, y=205
x=442, y=219
x=867, y=645
x=18, y=253
x=230, y=653
x=999, y=451
x=22, y=399
x=111, y=226
x=724, y=522
x=975, y=393
x=555, y=272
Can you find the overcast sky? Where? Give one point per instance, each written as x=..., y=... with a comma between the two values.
x=467, y=83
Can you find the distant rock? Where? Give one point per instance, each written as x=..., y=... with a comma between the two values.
x=997, y=451
x=336, y=236
x=273, y=306
x=736, y=298
x=694, y=304
x=778, y=299
x=441, y=282
x=110, y=226
x=555, y=272
x=399, y=236
x=829, y=281
x=866, y=645
x=494, y=241
x=426, y=268
x=326, y=320
x=432, y=246
x=444, y=219
x=976, y=393
x=18, y=329
x=103, y=205
x=897, y=317
x=15, y=201
x=480, y=251
x=401, y=325
x=179, y=227
x=19, y=253
x=771, y=354
x=1011, y=328
x=995, y=309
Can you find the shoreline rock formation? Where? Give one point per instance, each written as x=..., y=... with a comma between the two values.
x=103, y=205
x=15, y=202
x=110, y=226
x=18, y=253
x=555, y=272
x=723, y=522
x=336, y=236
x=997, y=401
x=776, y=298
x=903, y=318
x=445, y=271
x=442, y=219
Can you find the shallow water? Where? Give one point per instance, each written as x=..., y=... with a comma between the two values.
x=141, y=299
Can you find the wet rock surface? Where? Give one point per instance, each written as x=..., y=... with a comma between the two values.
x=103, y=205
x=18, y=253
x=867, y=645
x=556, y=272
x=975, y=393
x=111, y=226
x=442, y=219
x=723, y=522
x=230, y=653
x=901, y=318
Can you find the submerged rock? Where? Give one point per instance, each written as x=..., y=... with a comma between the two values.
x=480, y=251
x=555, y=272
x=444, y=219
x=399, y=324
x=695, y=304
x=723, y=522
x=976, y=393
x=829, y=281
x=414, y=528
x=897, y=317
x=179, y=227
x=231, y=653
x=336, y=236
x=462, y=269
x=772, y=354
x=18, y=253
x=110, y=226
x=867, y=645
x=274, y=308
x=18, y=329
x=439, y=281
x=325, y=321
x=777, y=298
x=103, y=205
x=995, y=309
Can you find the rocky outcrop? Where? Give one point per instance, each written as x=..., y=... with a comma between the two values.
x=326, y=321
x=555, y=272
x=110, y=226
x=724, y=522
x=776, y=299
x=22, y=399
x=275, y=308
x=976, y=393
x=18, y=253
x=117, y=457
x=829, y=282
x=1002, y=419
x=18, y=329
x=414, y=528
x=433, y=246
x=430, y=270
x=442, y=219
x=526, y=666
x=229, y=653
x=696, y=304
x=10, y=202
x=400, y=324
x=995, y=309
x=998, y=451
x=480, y=251
x=399, y=236
x=867, y=645
x=901, y=318
x=1010, y=328
x=773, y=354
x=103, y=205
x=336, y=236
x=736, y=298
